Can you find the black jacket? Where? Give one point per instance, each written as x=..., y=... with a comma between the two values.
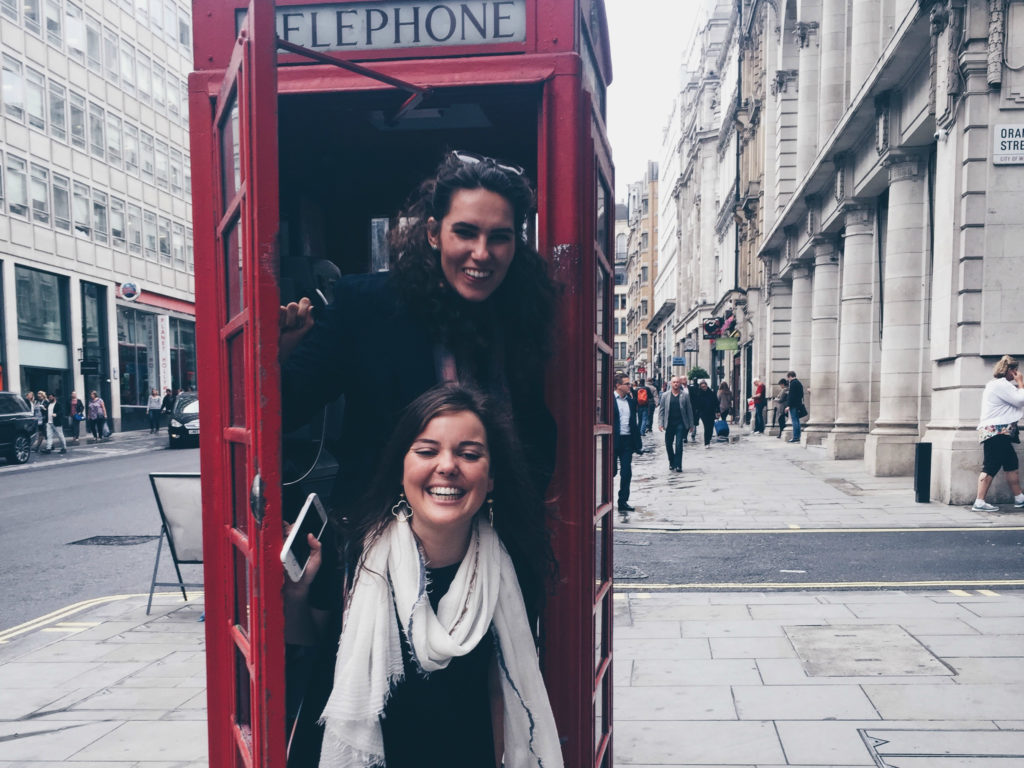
x=796, y=395
x=634, y=426
x=371, y=348
x=704, y=402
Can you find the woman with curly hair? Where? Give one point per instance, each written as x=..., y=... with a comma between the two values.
x=437, y=663
x=469, y=300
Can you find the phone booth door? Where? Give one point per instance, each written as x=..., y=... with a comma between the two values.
x=234, y=159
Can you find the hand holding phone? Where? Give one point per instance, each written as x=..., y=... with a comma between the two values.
x=295, y=554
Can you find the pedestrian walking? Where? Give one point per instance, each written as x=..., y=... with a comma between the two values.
x=795, y=404
x=54, y=419
x=781, y=401
x=706, y=408
x=759, y=405
x=642, y=395
x=694, y=390
x=76, y=414
x=724, y=400
x=1002, y=406
x=675, y=419
x=167, y=407
x=625, y=440
x=38, y=404
x=154, y=408
x=96, y=417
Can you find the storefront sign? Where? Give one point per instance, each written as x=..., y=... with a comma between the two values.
x=401, y=24
x=678, y=361
x=729, y=343
x=1008, y=144
x=163, y=340
x=129, y=291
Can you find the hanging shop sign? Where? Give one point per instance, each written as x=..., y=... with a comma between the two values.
x=129, y=291
x=400, y=24
x=727, y=343
x=1008, y=144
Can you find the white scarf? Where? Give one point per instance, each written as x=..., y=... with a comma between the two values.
x=485, y=592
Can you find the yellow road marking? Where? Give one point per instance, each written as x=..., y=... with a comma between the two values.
x=55, y=616
x=988, y=593
x=738, y=585
x=794, y=526
x=960, y=592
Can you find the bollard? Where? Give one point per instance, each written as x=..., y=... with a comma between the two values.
x=923, y=472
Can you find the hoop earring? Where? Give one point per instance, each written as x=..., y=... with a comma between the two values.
x=490, y=511
x=401, y=510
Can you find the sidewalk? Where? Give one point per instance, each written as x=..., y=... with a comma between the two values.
x=743, y=679
x=119, y=444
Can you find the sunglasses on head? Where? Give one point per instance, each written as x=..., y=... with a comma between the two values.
x=471, y=158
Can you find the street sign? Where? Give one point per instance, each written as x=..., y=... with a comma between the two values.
x=1008, y=144
x=678, y=361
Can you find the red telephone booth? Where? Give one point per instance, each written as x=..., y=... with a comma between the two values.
x=311, y=122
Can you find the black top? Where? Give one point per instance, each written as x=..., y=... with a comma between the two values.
x=675, y=413
x=442, y=720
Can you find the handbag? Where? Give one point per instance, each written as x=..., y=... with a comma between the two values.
x=78, y=417
x=802, y=412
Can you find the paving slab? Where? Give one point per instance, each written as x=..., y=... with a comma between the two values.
x=697, y=742
x=859, y=651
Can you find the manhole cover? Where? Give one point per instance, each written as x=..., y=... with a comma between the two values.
x=629, y=572
x=115, y=541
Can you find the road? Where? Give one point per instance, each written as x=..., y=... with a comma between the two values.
x=785, y=559
x=49, y=506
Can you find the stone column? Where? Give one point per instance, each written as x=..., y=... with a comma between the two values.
x=865, y=38
x=780, y=302
x=824, y=340
x=889, y=449
x=832, y=34
x=807, y=89
x=846, y=441
x=800, y=324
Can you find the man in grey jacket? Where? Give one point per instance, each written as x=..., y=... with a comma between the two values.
x=675, y=418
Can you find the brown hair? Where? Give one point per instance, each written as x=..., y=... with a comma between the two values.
x=1006, y=363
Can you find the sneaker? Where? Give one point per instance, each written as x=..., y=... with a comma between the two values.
x=626, y=508
x=1018, y=504
x=984, y=506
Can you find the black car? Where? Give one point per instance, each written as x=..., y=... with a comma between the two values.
x=17, y=427
x=184, y=424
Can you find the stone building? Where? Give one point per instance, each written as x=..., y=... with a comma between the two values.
x=881, y=159
x=96, y=273
x=641, y=270
x=620, y=306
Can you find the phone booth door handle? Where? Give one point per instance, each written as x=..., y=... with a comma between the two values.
x=257, y=503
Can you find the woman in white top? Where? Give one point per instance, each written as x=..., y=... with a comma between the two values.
x=1002, y=406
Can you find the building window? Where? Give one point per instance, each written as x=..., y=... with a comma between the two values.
x=40, y=305
x=134, y=229
x=61, y=202
x=35, y=99
x=94, y=337
x=74, y=23
x=146, y=155
x=111, y=56
x=128, y=67
x=161, y=164
x=643, y=275
x=9, y=8
x=40, y=195
x=145, y=81
x=53, y=20
x=149, y=234
x=58, y=111
x=99, y=216
x=643, y=241
x=176, y=164
x=159, y=86
x=30, y=9
x=117, y=223
x=156, y=14
x=178, y=245
x=13, y=89
x=183, y=354
x=114, y=139
x=76, y=105
x=643, y=308
x=136, y=354
x=164, y=231
x=93, y=45
x=96, y=140
x=184, y=32
x=131, y=149
x=17, y=186
x=190, y=264
x=80, y=207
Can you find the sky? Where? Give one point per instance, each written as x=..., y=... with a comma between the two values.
x=647, y=40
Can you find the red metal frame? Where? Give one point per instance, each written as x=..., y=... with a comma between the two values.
x=572, y=152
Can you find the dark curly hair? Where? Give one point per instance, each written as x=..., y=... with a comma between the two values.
x=520, y=311
x=520, y=517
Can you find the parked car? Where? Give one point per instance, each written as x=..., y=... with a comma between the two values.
x=17, y=427
x=184, y=424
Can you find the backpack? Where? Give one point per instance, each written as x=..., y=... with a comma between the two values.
x=641, y=396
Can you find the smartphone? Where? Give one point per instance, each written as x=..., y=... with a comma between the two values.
x=295, y=553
